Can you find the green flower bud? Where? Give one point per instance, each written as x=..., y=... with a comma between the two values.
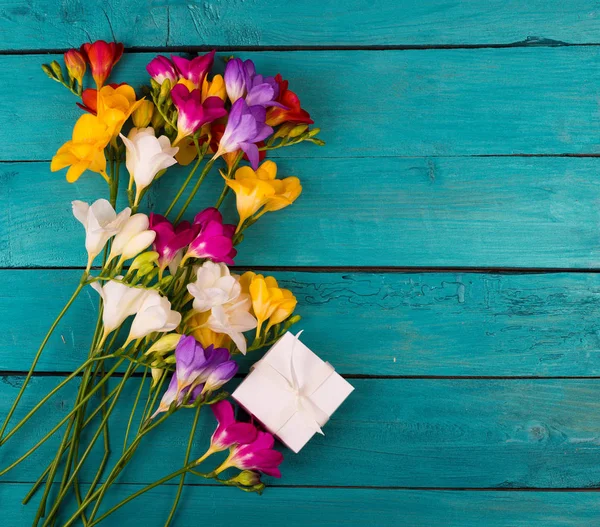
x=165, y=90
x=314, y=132
x=164, y=344
x=157, y=374
x=146, y=258
x=247, y=480
x=48, y=71
x=57, y=70
x=155, y=86
x=298, y=130
x=317, y=141
x=284, y=130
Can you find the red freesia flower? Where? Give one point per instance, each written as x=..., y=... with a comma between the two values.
x=292, y=113
x=102, y=56
x=75, y=63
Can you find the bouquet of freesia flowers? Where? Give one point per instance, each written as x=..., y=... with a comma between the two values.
x=170, y=309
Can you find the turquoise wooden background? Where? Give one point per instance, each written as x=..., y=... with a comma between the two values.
x=444, y=252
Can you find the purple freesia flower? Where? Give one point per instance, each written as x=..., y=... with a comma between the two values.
x=241, y=80
x=229, y=432
x=214, y=240
x=170, y=240
x=245, y=127
x=198, y=369
x=161, y=68
x=192, y=112
x=194, y=70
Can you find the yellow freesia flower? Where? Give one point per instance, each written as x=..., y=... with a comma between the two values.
x=269, y=301
x=257, y=189
x=207, y=336
x=115, y=105
x=85, y=151
x=214, y=88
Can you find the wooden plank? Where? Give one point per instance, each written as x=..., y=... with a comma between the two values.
x=374, y=103
x=390, y=432
x=44, y=24
x=471, y=212
x=349, y=507
x=364, y=323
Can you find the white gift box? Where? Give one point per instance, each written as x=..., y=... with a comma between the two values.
x=292, y=392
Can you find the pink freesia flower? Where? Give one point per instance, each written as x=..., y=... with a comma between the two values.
x=169, y=239
x=192, y=112
x=161, y=68
x=229, y=432
x=194, y=70
x=258, y=455
x=214, y=240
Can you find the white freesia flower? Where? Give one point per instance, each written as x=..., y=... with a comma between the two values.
x=155, y=314
x=233, y=319
x=101, y=223
x=214, y=286
x=133, y=238
x=146, y=156
x=119, y=301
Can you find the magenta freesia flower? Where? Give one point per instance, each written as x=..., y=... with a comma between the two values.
x=161, y=68
x=241, y=80
x=192, y=112
x=258, y=455
x=245, y=127
x=214, y=240
x=198, y=369
x=229, y=432
x=194, y=70
x=169, y=239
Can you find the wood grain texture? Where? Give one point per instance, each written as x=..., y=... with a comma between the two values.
x=374, y=103
x=454, y=324
x=39, y=24
x=472, y=212
x=349, y=507
x=391, y=432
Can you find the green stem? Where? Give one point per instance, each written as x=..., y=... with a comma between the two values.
x=185, y=462
x=186, y=182
x=203, y=174
x=37, y=357
x=222, y=196
x=133, y=409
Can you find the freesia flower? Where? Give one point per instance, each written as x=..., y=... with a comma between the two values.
x=119, y=301
x=89, y=98
x=146, y=156
x=76, y=66
x=154, y=315
x=85, y=151
x=269, y=301
x=194, y=366
x=115, y=105
x=214, y=286
x=102, y=57
x=132, y=239
x=229, y=432
x=258, y=455
x=161, y=68
x=259, y=189
x=241, y=80
x=101, y=223
x=214, y=240
x=170, y=240
x=205, y=335
x=192, y=112
x=290, y=109
x=214, y=88
x=233, y=319
x=142, y=115
x=245, y=127
x=194, y=70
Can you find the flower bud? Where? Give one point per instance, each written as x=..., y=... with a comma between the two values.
x=165, y=90
x=298, y=130
x=248, y=480
x=48, y=71
x=157, y=374
x=157, y=120
x=142, y=115
x=57, y=70
x=164, y=344
x=155, y=86
x=145, y=269
x=314, y=132
x=284, y=130
x=76, y=66
x=149, y=257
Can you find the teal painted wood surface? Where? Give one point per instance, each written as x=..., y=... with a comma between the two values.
x=348, y=507
x=375, y=103
x=428, y=164
x=431, y=433
x=452, y=324
x=45, y=24
x=470, y=212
